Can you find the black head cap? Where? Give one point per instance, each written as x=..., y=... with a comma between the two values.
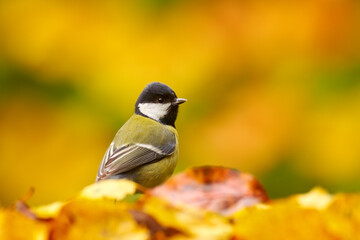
x=164, y=98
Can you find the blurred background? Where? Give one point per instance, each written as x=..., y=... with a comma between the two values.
x=273, y=88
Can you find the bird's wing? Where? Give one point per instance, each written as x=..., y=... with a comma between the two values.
x=129, y=156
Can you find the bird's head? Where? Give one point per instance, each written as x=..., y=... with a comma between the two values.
x=159, y=102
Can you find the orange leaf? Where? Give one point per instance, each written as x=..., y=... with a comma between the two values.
x=217, y=189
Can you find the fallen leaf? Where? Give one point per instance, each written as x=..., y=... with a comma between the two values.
x=194, y=223
x=217, y=189
x=157, y=232
x=99, y=219
x=321, y=217
x=15, y=225
x=115, y=189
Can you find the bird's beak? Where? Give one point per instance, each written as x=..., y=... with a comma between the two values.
x=180, y=101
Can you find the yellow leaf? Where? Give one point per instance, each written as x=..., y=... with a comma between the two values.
x=196, y=223
x=48, y=211
x=315, y=215
x=109, y=189
x=14, y=225
x=99, y=219
x=317, y=198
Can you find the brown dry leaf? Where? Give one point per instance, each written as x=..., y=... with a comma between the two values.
x=88, y=219
x=193, y=223
x=218, y=189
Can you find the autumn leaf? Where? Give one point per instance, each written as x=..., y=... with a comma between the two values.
x=217, y=189
x=109, y=189
x=214, y=203
x=99, y=219
x=315, y=215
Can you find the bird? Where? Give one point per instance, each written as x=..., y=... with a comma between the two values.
x=146, y=148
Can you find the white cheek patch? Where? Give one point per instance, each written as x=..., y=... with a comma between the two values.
x=155, y=111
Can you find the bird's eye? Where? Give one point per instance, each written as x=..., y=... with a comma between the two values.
x=160, y=100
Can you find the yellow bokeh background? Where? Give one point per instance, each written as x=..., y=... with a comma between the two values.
x=273, y=88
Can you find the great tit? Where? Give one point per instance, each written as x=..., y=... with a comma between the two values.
x=146, y=148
